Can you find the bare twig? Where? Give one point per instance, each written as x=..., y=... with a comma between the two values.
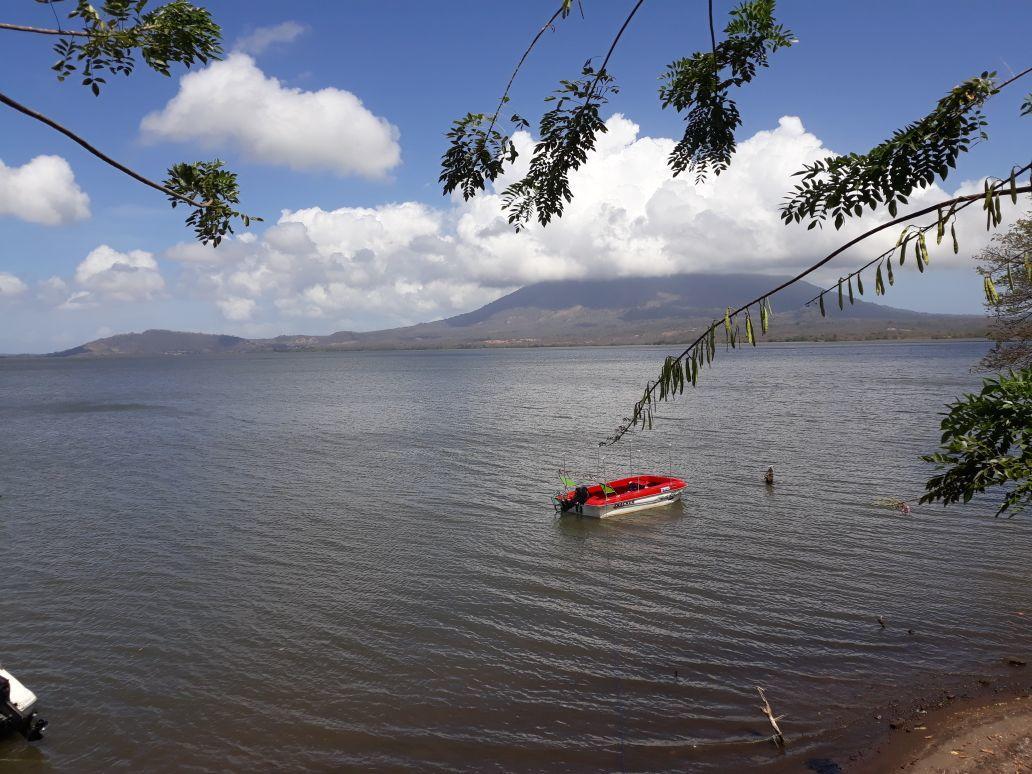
x=519, y=65
x=778, y=738
x=712, y=36
x=96, y=152
x=1011, y=80
x=43, y=30
x=612, y=47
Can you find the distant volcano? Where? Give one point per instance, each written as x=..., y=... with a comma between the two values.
x=636, y=310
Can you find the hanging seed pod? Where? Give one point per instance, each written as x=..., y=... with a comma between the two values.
x=764, y=320
x=940, y=227
x=924, y=249
x=849, y=286
x=840, y=294
x=859, y=284
x=991, y=296
x=953, y=233
x=820, y=299
x=888, y=269
x=879, y=284
x=749, y=331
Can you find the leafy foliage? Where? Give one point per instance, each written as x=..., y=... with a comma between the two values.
x=215, y=191
x=177, y=32
x=1006, y=266
x=841, y=186
x=986, y=443
x=698, y=84
x=477, y=153
x=567, y=133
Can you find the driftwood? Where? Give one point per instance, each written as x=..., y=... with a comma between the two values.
x=777, y=737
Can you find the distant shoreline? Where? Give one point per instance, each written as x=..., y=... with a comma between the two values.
x=462, y=348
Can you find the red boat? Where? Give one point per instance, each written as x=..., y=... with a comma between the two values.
x=624, y=495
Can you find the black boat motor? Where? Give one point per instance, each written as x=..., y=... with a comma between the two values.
x=18, y=708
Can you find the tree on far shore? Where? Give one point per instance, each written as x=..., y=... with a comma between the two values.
x=1007, y=266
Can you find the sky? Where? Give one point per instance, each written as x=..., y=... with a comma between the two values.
x=334, y=116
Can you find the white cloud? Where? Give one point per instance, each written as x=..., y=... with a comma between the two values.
x=11, y=285
x=42, y=191
x=109, y=275
x=52, y=291
x=236, y=308
x=263, y=37
x=232, y=103
x=400, y=263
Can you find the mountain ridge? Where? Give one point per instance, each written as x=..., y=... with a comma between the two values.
x=636, y=310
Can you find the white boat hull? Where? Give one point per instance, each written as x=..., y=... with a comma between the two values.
x=630, y=506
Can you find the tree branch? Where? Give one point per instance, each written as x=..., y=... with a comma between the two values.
x=96, y=152
x=653, y=385
x=612, y=46
x=519, y=65
x=923, y=229
x=43, y=30
x=1013, y=78
x=712, y=37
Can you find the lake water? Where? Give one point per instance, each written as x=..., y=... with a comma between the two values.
x=349, y=561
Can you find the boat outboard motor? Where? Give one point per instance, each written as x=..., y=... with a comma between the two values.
x=18, y=708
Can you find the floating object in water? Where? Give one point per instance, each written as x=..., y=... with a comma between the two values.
x=894, y=503
x=623, y=495
x=18, y=708
x=768, y=477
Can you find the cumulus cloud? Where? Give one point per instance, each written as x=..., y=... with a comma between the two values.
x=42, y=191
x=11, y=285
x=109, y=275
x=236, y=308
x=232, y=103
x=407, y=262
x=263, y=37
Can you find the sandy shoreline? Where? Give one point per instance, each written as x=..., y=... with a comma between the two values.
x=986, y=727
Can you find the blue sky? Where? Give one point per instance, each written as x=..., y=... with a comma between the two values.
x=365, y=249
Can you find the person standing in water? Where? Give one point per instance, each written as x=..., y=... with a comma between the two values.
x=768, y=477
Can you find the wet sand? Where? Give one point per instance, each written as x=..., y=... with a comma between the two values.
x=987, y=728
